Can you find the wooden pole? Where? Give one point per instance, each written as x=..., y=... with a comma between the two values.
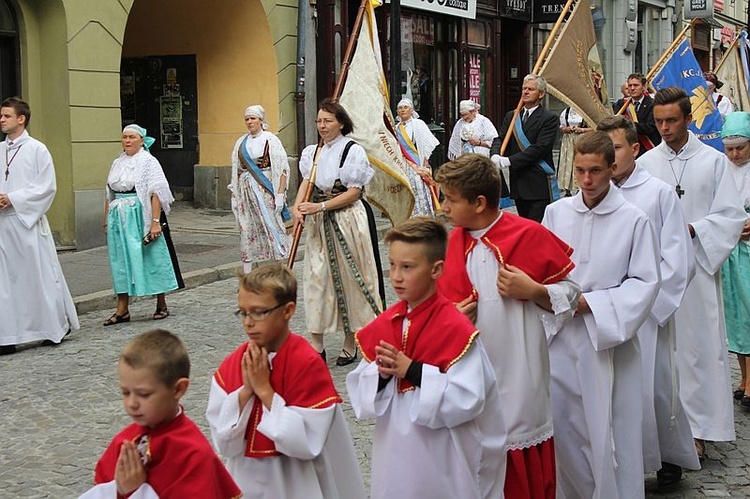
x=335, y=97
x=678, y=39
x=537, y=66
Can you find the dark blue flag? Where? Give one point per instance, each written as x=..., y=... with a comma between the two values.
x=682, y=70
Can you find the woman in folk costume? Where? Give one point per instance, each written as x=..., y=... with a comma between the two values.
x=571, y=125
x=340, y=282
x=143, y=263
x=260, y=172
x=473, y=133
x=735, y=272
x=417, y=143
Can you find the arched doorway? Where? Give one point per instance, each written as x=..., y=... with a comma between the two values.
x=9, y=51
x=188, y=70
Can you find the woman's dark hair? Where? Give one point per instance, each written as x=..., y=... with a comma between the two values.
x=328, y=105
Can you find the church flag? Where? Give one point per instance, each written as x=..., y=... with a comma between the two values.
x=365, y=98
x=681, y=69
x=733, y=72
x=573, y=69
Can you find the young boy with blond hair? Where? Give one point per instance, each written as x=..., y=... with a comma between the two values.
x=273, y=410
x=426, y=378
x=509, y=274
x=163, y=453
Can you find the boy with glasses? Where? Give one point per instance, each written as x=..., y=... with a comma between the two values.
x=273, y=410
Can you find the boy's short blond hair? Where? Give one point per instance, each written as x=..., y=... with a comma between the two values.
x=274, y=278
x=426, y=231
x=161, y=352
x=472, y=175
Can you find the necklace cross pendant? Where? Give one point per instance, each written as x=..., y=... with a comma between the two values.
x=679, y=191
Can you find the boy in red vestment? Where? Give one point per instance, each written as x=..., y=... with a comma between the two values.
x=508, y=274
x=427, y=379
x=273, y=410
x=163, y=454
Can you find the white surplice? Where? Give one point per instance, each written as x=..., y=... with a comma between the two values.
x=666, y=430
x=35, y=303
x=109, y=491
x=317, y=461
x=710, y=204
x=597, y=402
x=513, y=335
x=442, y=440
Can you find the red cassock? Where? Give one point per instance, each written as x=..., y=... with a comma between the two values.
x=179, y=461
x=437, y=334
x=527, y=245
x=299, y=375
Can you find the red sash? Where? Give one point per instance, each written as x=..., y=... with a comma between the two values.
x=437, y=334
x=514, y=241
x=179, y=461
x=299, y=376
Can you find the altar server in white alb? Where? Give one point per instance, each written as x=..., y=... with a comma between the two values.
x=597, y=403
x=35, y=303
x=667, y=438
x=715, y=217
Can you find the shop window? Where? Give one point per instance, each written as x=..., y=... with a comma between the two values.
x=9, y=51
x=418, y=39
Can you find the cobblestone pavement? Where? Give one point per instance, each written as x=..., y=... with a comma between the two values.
x=60, y=406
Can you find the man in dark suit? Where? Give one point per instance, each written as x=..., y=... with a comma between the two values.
x=529, y=186
x=648, y=135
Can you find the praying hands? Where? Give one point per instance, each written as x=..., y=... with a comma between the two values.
x=4, y=201
x=391, y=361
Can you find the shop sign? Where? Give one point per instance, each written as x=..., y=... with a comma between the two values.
x=456, y=8
x=475, y=78
x=422, y=29
x=547, y=11
x=698, y=9
x=517, y=9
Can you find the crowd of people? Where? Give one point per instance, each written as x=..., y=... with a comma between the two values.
x=562, y=352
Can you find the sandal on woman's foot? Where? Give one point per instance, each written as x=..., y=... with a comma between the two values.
x=161, y=313
x=118, y=319
x=346, y=358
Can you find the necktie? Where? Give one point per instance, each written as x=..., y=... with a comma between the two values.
x=525, y=116
x=637, y=106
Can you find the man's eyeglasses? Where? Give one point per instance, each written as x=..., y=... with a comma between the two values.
x=256, y=315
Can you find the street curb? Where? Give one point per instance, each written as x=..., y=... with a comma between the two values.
x=106, y=299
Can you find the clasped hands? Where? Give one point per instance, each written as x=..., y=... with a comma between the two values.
x=256, y=375
x=130, y=473
x=391, y=361
x=4, y=201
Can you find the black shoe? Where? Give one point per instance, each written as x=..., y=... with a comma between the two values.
x=745, y=402
x=739, y=393
x=669, y=475
x=346, y=358
x=7, y=349
x=50, y=343
x=323, y=355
